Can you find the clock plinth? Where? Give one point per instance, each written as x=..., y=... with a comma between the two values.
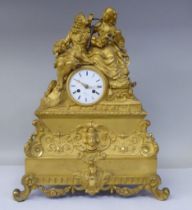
x=91, y=146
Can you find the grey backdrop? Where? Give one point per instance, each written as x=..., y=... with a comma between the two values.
x=159, y=42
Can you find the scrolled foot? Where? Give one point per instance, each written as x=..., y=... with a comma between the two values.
x=21, y=195
x=160, y=194
x=29, y=183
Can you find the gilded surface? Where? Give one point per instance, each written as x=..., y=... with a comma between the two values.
x=101, y=147
x=92, y=181
x=91, y=140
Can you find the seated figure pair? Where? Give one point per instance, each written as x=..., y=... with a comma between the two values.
x=102, y=47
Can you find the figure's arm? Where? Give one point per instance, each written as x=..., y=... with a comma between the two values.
x=61, y=45
x=119, y=39
x=99, y=42
x=120, y=43
x=104, y=37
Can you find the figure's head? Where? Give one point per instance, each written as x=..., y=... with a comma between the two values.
x=80, y=20
x=110, y=16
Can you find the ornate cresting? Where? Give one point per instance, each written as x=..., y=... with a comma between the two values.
x=104, y=146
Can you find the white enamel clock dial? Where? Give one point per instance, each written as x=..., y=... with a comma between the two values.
x=86, y=87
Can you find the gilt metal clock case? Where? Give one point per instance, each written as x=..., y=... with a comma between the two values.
x=91, y=131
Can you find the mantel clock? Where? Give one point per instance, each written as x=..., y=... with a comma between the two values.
x=91, y=132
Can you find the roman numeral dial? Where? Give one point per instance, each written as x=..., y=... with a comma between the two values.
x=86, y=87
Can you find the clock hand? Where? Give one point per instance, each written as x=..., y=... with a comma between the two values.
x=84, y=85
x=91, y=87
